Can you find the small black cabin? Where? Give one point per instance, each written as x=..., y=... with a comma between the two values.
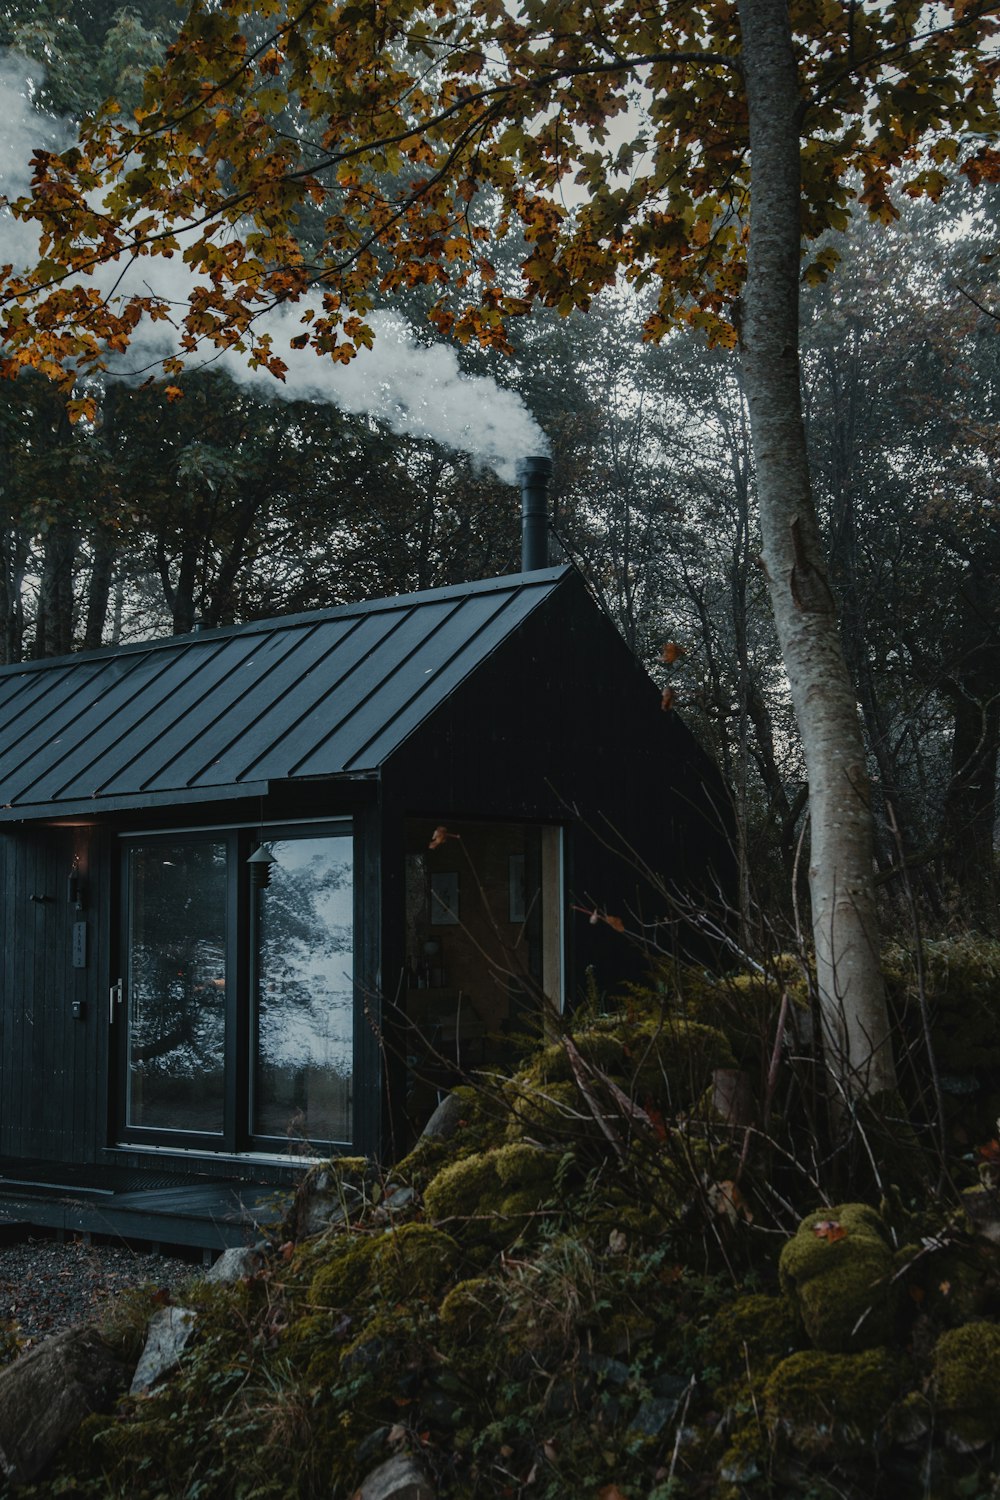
x=262, y=886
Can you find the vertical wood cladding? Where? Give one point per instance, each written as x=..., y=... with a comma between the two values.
x=51, y=1078
x=562, y=725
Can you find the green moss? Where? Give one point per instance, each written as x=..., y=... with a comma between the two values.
x=385, y=1349
x=818, y=1401
x=745, y=1460
x=424, y=1162
x=657, y=1058
x=494, y=1194
x=839, y=1279
x=551, y=1110
x=312, y=1345
x=468, y=1313
x=520, y=1166
x=462, y=1189
x=743, y=1006
x=346, y=1270
x=482, y=1124
x=967, y=1382
x=753, y=1332
x=415, y=1260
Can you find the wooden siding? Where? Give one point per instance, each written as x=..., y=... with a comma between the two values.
x=52, y=1066
x=564, y=726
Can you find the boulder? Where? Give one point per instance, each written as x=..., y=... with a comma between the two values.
x=45, y=1395
x=331, y=1193
x=445, y=1120
x=966, y=1385
x=237, y=1263
x=399, y=1478
x=838, y=1273
x=167, y=1337
x=819, y=1402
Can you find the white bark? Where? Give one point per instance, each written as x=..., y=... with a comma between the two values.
x=841, y=873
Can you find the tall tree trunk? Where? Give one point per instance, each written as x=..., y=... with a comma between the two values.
x=180, y=596
x=841, y=882
x=14, y=552
x=102, y=570
x=56, y=602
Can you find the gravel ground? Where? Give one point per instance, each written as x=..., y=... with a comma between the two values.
x=45, y=1286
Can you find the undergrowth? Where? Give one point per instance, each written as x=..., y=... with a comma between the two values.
x=615, y=1281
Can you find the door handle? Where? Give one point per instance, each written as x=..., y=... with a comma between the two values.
x=114, y=998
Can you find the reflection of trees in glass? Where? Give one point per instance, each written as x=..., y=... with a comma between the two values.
x=177, y=985
x=305, y=1008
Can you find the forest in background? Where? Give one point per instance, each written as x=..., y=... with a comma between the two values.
x=222, y=506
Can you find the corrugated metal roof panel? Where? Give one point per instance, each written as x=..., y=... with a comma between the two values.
x=324, y=694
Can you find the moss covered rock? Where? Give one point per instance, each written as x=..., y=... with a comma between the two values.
x=493, y=1194
x=744, y=1007
x=967, y=1384
x=837, y=1270
x=553, y=1111
x=415, y=1260
x=468, y=1313
x=753, y=1332
x=819, y=1401
x=656, y=1058
x=745, y=1460
x=345, y=1272
x=332, y=1192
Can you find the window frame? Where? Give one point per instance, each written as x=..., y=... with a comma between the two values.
x=236, y=1138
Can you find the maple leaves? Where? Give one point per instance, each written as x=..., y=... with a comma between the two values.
x=670, y=653
x=422, y=134
x=595, y=915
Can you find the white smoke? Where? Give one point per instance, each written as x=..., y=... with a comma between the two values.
x=416, y=389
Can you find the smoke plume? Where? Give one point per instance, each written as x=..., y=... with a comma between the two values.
x=416, y=389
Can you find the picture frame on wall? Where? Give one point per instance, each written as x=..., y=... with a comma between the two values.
x=444, y=898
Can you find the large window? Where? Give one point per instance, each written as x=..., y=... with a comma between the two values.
x=304, y=1010
x=484, y=947
x=238, y=995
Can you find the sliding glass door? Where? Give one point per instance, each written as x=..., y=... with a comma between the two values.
x=239, y=990
x=176, y=982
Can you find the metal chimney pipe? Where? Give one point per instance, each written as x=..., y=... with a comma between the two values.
x=533, y=476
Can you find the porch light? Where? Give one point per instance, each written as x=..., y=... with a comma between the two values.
x=260, y=863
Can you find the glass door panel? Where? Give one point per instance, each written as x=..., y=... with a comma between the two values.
x=304, y=993
x=177, y=986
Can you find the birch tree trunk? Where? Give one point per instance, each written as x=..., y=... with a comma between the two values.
x=841, y=875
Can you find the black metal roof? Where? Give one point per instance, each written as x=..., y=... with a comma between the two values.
x=225, y=713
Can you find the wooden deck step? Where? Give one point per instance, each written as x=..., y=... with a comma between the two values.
x=210, y=1214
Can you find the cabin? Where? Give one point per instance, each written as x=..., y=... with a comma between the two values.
x=267, y=890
